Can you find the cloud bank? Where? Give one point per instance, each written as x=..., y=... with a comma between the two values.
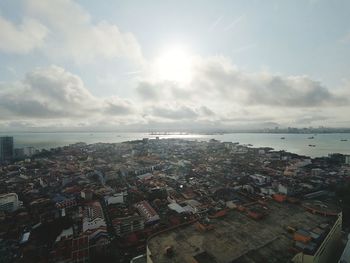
x=219, y=95
x=53, y=93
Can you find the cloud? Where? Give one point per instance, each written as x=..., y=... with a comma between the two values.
x=296, y=91
x=117, y=106
x=174, y=112
x=62, y=29
x=218, y=78
x=206, y=111
x=309, y=119
x=149, y=91
x=220, y=92
x=54, y=93
x=21, y=38
x=75, y=36
x=220, y=95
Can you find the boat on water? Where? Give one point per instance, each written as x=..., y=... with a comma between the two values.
x=344, y=140
x=312, y=145
x=312, y=137
x=282, y=138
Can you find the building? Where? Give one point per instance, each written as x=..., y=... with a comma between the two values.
x=9, y=202
x=95, y=227
x=316, y=171
x=69, y=249
x=18, y=153
x=24, y=152
x=28, y=151
x=324, y=252
x=345, y=257
x=93, y=217
x=117, y=198
x=147, y=212
x=86, y=194
x=347, y=159
x=282, y=189
x=260, y=179
x=266, y=240
x=66, y=203
x=126, y=225
x=6, y=148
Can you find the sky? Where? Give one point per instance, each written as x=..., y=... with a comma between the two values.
x=173, y=65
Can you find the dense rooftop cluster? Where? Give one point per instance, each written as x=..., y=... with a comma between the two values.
x=84, y=202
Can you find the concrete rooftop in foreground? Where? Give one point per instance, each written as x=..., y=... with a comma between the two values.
x=237, y=238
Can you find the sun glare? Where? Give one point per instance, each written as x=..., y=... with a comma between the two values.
x=174, y=64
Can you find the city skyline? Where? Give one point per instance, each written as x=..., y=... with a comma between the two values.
x=83, y=65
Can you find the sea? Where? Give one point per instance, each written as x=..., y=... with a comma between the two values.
x=323, y=144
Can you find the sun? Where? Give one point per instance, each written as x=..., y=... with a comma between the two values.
x=174, y=64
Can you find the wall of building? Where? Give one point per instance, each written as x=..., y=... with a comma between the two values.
x=149, y=254
x=129, y=225
x=6, y=148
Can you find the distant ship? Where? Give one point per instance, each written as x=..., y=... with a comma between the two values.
x=312, y=145
x=312, y=137
x=282, y=138
x=344, y=140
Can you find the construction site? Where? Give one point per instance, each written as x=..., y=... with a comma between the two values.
x=255, y=232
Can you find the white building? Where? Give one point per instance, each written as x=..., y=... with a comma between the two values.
x=116, y=198
x=181, y=209
x=93, y=217
x=9, y=202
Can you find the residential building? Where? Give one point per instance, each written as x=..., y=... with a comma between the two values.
x=127, y=225
x=9, y=202
x=147, y=211
x=93, y=217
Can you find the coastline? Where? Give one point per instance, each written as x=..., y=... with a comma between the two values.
x=325, y=143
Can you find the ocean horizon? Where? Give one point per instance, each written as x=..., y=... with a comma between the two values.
x=324, y=144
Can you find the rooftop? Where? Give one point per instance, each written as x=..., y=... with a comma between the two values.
x=237, y=238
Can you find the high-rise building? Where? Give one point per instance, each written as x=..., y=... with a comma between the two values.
x=6, y=148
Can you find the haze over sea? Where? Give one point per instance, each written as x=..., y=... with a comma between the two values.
x=295, y=143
